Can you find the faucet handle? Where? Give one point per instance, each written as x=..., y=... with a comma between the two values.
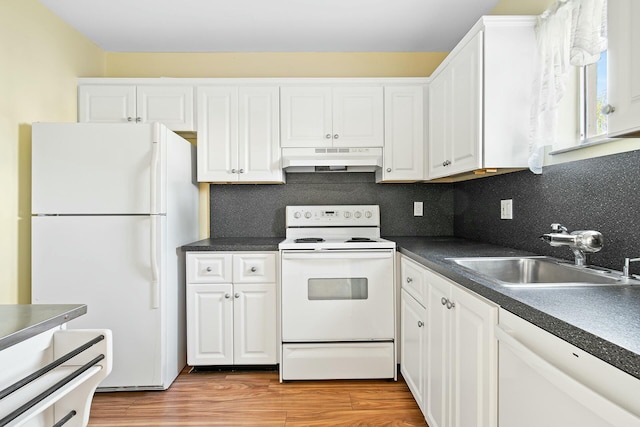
x=558, y=228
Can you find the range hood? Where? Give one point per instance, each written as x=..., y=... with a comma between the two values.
x=332, y=159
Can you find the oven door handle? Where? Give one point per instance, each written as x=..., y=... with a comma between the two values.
x=337, y=254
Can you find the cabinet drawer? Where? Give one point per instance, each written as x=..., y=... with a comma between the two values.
x=254, y=268
x=209, y=268
x=413, y=281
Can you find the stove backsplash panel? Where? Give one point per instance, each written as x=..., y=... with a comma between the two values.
x=595, y=194
x=258, y=210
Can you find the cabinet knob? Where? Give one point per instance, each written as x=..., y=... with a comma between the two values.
x=420, y=323
x=241, y=171
x=328, y=136
x=446, y=163
x=253, y=269
x=388, y=169
x=227, y=296
x=237, y=295
x=450, y=305
x=138, y=119
x=209, y=269
x=608, y=109
x=409, y=280
x=233, y=171
x=336, y=136
x=443, y=301
x=129, y=119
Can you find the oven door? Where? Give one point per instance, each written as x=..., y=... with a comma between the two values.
x=337, y=295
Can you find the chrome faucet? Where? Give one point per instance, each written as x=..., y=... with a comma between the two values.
x=581, y=242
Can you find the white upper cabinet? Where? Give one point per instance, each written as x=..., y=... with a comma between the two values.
x=480, y=98
x=624, y=67
x=238, y=134
x=349, y=116
x=170, y=105
x=404, y=135
x=456, y=113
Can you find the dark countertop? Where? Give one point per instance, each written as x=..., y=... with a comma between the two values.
x=603, y=320
x=228, y=244
x=19, y=322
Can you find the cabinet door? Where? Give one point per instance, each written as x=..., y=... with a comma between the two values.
x=209, y=324
x=217, y=134
x=403, y=133
x=255, y=339
x=440, y=122
x=358, y=117
x=624, y=66
x=258, y=135
x=106, y=104
x=437, y=375
x=474, y=360
x=169, y=105
x=466, y=108
x=306, y=117
x=413, y=346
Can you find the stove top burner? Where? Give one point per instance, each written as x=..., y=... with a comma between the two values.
x=309, y=240
x=359, y=240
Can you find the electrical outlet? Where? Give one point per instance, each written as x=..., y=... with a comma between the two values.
x=418, y=209
x=506, y=209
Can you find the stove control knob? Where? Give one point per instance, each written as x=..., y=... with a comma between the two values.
x=307, y=214
x=347, y=214
x=297, y=215
x=357, y=214
x=368, y=214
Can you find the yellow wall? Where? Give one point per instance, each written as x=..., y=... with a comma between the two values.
x=297, y=64
x=40, y=58
x=521, y=7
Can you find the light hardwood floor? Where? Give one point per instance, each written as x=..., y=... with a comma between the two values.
x=258, y=399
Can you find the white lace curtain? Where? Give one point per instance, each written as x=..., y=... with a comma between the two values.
x=569, y=33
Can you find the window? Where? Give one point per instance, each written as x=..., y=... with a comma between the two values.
x=594, y=100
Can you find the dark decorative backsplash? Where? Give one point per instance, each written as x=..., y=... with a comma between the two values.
x=595, y=194
x=599, y=194
x=258, y=210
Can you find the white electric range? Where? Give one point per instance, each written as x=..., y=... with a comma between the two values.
x=338, y=298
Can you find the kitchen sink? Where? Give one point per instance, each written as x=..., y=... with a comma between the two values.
x=534, y=272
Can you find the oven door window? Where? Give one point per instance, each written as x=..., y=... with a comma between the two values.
x=338, y=289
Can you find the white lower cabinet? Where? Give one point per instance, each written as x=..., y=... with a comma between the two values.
x=231, y=309
x=454, y=376
x=413, y=345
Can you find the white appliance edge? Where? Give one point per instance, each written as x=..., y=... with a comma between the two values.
x=100, y=237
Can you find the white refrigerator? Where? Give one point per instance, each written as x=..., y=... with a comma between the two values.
x=111, y=205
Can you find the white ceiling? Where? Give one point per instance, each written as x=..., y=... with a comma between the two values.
x=272, y=25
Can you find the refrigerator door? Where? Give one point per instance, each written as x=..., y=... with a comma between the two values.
x=106, y=262
x=96, y=168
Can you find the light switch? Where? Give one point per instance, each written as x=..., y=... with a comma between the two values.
x=417, y=209
x=506, y=209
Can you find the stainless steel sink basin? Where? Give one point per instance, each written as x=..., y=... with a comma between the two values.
x=539, y=272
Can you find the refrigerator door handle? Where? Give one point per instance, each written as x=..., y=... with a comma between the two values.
x=155, y=264
x=155, y=165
